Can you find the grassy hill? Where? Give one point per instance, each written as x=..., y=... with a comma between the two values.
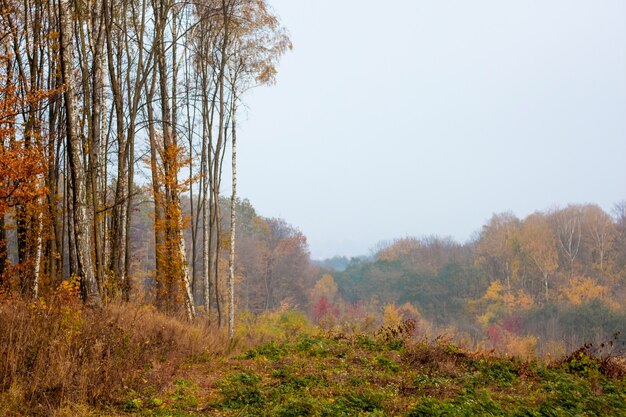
x=335, y=375
x=157, y=366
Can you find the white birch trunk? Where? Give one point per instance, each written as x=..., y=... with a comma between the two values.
x=205, y=251
x=38, y=252
x=189, y=305
x=233, y=221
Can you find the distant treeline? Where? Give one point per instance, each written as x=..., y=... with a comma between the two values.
x=554, y=278
x=543, y=284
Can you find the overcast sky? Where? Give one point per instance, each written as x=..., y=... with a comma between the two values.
x=412, y=118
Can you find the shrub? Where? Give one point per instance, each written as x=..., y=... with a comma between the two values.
x=270, y=350
x=386, y=363
x=294, y=408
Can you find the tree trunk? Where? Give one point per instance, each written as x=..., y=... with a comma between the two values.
x=3, y=248
x=37, y=260
x=233, y=221
x=120, y=214
x=173, y=230
x=205, y=251
x=95, y=134
x=82, y=223
x=159, y=273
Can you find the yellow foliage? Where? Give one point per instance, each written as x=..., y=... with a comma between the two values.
x=584, y=289
x=521, y=346
x=491, y=304
x=494, y=292
x=496, y=301
x=391, y=315
x=486, y=319
x=524, y=301
x=409, y=311
x=394, y=315
x=280, y=324
x=518, y=301
x=325, y=287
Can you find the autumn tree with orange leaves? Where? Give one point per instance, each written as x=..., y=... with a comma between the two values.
x=23, y=164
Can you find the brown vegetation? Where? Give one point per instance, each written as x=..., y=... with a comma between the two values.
x=56, y=353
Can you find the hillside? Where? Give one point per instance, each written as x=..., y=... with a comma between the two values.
x=362, y=375
x=129, y=361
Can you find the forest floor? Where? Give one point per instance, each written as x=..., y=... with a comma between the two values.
x=336, y=375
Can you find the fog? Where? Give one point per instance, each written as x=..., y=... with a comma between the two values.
x=422, y=118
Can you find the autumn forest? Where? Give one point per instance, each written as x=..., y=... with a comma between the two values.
x=95, y=92
x=130, y=268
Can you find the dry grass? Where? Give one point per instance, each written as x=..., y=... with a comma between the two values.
x=55, y=355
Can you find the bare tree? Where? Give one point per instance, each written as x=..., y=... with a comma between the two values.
x=81, y=219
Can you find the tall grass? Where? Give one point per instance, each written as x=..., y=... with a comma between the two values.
x=59, y=353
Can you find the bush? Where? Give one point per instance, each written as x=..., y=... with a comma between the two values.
x=270, y=350
x=294, y=408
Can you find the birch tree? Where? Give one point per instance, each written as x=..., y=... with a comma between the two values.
x=81, y=216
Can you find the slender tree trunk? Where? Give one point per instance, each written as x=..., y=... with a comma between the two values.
x=52, y=183
x=184, y=264
x=106, y=246
x=179, y=269
x=207, y=192
x=38, y=250
x=268, y=284
x=3, y=249
x=233, y=221
x=189, y=304
x=97, y=35
x=120, y=213
x=159, y=218
x=127, y=224
x=219, y=150
x=82, y=223
x=205, y=253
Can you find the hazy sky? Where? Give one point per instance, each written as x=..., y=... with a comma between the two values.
x=412, y=118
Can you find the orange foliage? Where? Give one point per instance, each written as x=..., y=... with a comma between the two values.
x=170, y=285
x=21, y=161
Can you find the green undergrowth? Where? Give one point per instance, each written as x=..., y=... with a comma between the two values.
x=365, y=375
